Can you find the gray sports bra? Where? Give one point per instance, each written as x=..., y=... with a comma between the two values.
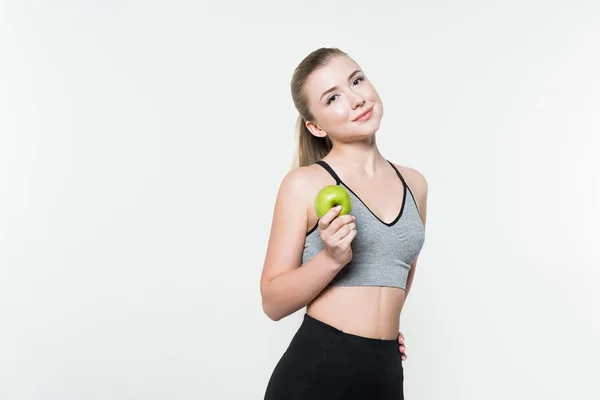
x=381, y=252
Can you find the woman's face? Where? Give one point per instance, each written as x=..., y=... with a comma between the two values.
x=338, y=94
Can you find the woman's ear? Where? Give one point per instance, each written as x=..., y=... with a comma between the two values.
x=315, y=129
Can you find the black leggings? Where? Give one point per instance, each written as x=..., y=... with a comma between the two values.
x=323, y=362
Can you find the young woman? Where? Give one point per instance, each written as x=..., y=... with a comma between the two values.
x=352, y=272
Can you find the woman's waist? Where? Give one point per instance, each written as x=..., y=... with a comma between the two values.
x=367, y=311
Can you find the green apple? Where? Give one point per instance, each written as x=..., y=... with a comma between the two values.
x=331, y=196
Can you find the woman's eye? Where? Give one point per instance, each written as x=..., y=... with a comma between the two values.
x=359, y=79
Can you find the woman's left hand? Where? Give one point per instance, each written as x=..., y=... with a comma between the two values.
x=402, y=345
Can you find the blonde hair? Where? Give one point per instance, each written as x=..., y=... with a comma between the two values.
x=310, y=148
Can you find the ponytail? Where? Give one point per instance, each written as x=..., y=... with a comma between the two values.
x=310, y=147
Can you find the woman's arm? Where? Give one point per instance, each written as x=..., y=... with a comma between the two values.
x=419, y=186
x=285, y=288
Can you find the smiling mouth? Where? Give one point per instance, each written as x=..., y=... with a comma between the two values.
x=366, y=113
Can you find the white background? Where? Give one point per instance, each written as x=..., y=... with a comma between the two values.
x=142, y=144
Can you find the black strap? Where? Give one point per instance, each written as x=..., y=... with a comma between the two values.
x=330, y=170
x=338, y=180
x=397, y=172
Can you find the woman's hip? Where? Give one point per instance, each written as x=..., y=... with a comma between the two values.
x=325, y=361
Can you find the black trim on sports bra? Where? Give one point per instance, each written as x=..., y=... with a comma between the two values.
x=331, y=171
x=411, y=193
x=397, y=172
x=339, y=181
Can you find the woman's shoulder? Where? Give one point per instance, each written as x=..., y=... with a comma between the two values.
x=415, y=180
x=304, y=180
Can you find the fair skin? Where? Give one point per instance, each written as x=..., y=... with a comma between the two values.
x=285, y=287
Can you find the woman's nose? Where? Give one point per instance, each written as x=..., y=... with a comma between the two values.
x=357, y=100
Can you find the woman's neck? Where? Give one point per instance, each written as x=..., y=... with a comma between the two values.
x=363, y=157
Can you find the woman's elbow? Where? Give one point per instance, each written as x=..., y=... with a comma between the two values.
x=269, y=312
x=266, y=306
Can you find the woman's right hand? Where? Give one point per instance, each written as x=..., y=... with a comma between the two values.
x=337, y=234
